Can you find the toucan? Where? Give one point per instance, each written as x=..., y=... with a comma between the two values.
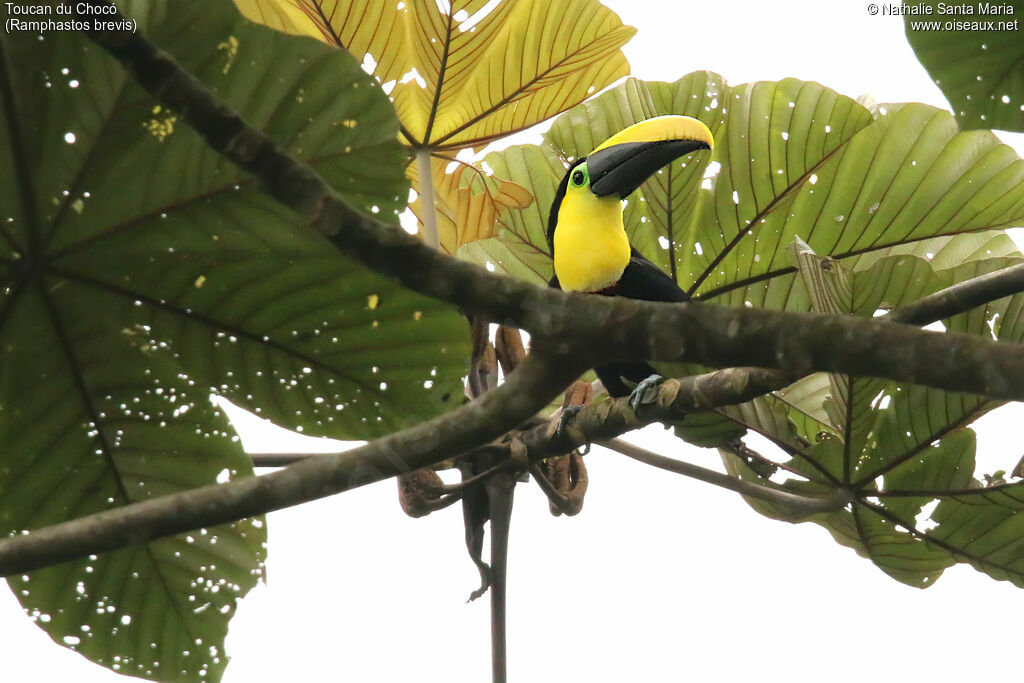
x=585, y=231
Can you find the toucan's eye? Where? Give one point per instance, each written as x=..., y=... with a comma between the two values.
x=578, y=177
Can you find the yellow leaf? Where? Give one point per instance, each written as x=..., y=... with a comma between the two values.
x=465, y=72
x=467, y=201
x=284, y=16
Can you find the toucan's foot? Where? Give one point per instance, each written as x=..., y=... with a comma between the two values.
x=568, y=413
x=646, y=392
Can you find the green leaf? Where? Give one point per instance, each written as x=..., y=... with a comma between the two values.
x=945, y=465
x=987, y=530
x=907, y=448
x=521, y=248
x=806, y=398
x=979, y=67
x=919, y=448
x=708, y=429
x=261, y=309
x=902, y=554
x=94, y=417
x=141, y=272
x=829, y=285
x=915, y=418
x=905, y=177
x=793, y=159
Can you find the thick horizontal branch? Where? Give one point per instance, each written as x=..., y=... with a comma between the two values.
x=532, y=386
x=728, y=386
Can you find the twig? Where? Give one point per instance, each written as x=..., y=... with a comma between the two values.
x=800, y=506
x=283, y=459
x=961, y=297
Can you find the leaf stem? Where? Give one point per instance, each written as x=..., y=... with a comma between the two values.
x=429, y=208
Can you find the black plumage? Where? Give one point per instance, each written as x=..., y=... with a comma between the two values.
x=640, y=280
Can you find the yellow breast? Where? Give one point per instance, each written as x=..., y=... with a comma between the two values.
x=591, y=247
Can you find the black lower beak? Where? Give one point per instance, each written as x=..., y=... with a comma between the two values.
x=620, y=169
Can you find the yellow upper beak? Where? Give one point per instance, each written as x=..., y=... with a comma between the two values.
x=659, y=128
x=625, y=160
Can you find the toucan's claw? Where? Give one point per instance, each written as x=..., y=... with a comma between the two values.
x=646, y=392
x=568, y=413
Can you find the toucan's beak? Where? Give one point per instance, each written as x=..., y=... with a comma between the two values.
x=624, y=161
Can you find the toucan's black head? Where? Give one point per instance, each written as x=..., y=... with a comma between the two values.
x=624, y=161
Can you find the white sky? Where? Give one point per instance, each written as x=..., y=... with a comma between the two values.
x=660, y=577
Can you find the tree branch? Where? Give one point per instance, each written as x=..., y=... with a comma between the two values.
x=961, y=297
x=798, y=506
x=532, y=386
x=731, y=386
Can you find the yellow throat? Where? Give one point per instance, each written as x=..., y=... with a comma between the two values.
x=591, y=247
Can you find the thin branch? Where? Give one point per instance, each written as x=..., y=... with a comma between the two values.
x=606, y=420
x=945, y=303
x=283, y=459
x=961, y=297
x=534, y=384
x=799, y=506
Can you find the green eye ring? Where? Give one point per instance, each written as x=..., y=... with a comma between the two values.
x=579, y=176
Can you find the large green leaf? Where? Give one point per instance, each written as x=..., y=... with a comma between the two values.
x=976, y=60
x=793, y=159
x=909, y=444
x=917, y=418
x=141, y=272
x=97, y=414
x=260, y=308
x=914, y=446
x=848, y=402
x=985, y=526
